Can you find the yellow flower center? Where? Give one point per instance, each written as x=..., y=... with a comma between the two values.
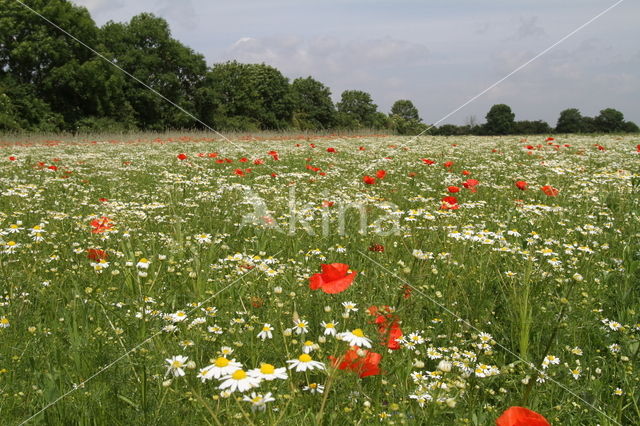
x=308, y=343
x=4, y=321
x=267, y=369
x=266, y=328
x=239, y=375
x=301, y=325
x=222, y=362
x=304, y=358
x=144, y=260
x=330, y=325
x=11, y=243
x=176, y=364
x=313, y=385
x=358, y=332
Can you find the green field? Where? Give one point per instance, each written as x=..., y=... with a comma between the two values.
x=116, y=256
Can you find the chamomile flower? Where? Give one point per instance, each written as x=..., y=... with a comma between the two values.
x=258, y=401
x=4, y=322
x=215, y=329
x=301, y=326
x=177, y=316
x=356, y=338
x=203, y=238
x=329, y=328
x=304, y=362
x=221, y=367
x=239, y=380
x=349, y=306
x=225, y=351
x=143, y=263
x=265, y=333
x=175, y=365
x=269, y=372
x=550, y=359
x=309, y=346
x=314, y=388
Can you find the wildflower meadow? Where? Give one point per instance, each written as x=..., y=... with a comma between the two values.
x=172, y=279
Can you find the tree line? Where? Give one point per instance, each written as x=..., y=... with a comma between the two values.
x=50, y=82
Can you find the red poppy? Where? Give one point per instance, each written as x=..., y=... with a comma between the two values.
x=103, y=200
x=453, y=189
x=601, y=148
x=54, y=168
x=312, y=145
x=369, y=180
x=550, y=190
x=388, y=326
x=258, y=161
x=530, y=147
x=331, y=150
x=366, y=365
x=448, y=164
x=97, y=255
x=273, y=175
x=219, y=161
x=522, y=185
x=274, y=155
x=182, y=156
x=550, y=139
x=466, y=172
x=520, y=416
x=212, y=155
x=12, y=158
x=427, y=161
x=101, y=225
x=362, y=148
x=243, y=160
x=326, y=203
x=333, y=279
x=200, y=154
x=239, y=172
x=377, y=248
x=638, y=148
x=228, y=160
x=471, y=184
x=449, y=203
x=380, y=174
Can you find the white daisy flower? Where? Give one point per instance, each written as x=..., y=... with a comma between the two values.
x=143, y=263
x=309, y=346
x=349, y=306
x=314, y=388
x=329, y=328
x=304, y=362
x=258, y=401
x=239, y=380
x=265, y=333
x=221, y=367
x=269, y=372
x=175, y=365
x=301, y=326
x=356, y=338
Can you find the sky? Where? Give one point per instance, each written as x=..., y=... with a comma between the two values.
x=437, y=53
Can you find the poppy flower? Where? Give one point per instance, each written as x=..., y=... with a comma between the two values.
x=331, y=150
x=273, y=175
x=182, y=157
x=471, y=184
x=12, y=158
x=274, y=155
x=54, y=168
x=243, y=160
x=550, y=139
x=212, y=154
x=326, y=203
x=638, y=148
x=550, y=190
x=101, y=225
x=366, y=365
x=522, y=185
x=239, y=172
x=258, y=161
x=362, y=148
x=333, y=278
x=377, y=248
x=427, y=161
x=530, y=147
x=448, y=164
x=380, y=174
x=601, y=148
x=388, y=326
x=520, y=416
x=453, y=189
x=97, y=255
x=103, y=200
x=369, y=180
x=449, y=203
x=466, y=172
